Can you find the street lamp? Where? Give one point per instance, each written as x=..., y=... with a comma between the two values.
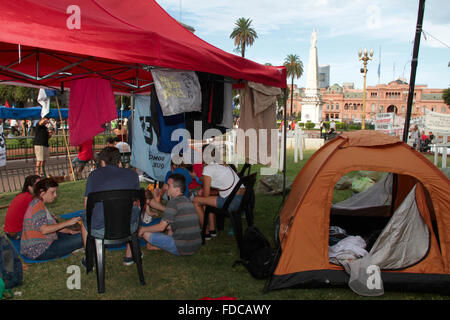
x=364, y=56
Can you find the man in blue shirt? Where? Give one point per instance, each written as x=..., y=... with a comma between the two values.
x=109, y=177
x=178, y=169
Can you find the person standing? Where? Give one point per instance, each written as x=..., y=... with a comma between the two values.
x=41, y=138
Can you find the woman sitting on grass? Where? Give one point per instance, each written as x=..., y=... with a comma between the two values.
x=17, y=208
x=43, y=238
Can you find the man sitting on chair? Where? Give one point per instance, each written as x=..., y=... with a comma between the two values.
x=110, y=176
x=179, y=220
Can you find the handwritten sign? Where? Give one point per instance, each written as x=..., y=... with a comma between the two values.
x=437, y=122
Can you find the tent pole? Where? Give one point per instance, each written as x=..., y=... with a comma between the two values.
x=412, y=80
x=65, y=142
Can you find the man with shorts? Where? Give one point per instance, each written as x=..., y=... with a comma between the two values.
x=41, y=138
x=109, y=177
x=179, y=230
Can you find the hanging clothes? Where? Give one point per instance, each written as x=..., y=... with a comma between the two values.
x=178, y=91
x=145, y=154
x=212, y=107
x=258, y=111
x=227, y=118
x=164, y=126
x=92, y=104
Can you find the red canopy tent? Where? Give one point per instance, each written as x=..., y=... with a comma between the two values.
x=46, y=42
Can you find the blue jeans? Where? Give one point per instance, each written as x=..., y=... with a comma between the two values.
x=65, y=244
x=234, y=205
x=163, y=241
x=100, y=233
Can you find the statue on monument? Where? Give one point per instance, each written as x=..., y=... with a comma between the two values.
x=313, y=38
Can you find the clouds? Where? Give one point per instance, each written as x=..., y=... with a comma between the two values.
x=344, y=26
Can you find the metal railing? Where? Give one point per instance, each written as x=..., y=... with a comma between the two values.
x=21, y=160
x=21, y=147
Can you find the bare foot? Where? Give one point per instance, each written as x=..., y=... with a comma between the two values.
x=150, y=247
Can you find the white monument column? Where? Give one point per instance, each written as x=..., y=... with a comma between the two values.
x=312, y=102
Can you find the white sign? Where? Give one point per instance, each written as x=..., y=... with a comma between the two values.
x=2, y=148
x=390, y=124
x=437, y=122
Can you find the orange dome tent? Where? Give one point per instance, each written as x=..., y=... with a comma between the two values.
x=306, y=216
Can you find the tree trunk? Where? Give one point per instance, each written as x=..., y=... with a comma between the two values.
x=292, y=97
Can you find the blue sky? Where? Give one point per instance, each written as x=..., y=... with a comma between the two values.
x=285, y=26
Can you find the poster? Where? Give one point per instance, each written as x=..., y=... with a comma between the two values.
x=2, y=148
x=145, y=154
x=436, y=122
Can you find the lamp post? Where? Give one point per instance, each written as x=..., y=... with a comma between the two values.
x=364, y=56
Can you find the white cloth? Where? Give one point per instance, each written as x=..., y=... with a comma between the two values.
x=44, y=101
x=222, y=178
x=349, y=246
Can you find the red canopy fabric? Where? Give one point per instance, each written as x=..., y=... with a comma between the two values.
x=116, y=39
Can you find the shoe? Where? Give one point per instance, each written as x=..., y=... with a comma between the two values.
x=213, y=233
x=208, y=236
x=128, y=261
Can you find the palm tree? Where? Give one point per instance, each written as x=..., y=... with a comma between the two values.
x=294, y=68
x=243, y=34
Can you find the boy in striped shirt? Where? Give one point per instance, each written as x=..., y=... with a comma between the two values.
x=179, y=230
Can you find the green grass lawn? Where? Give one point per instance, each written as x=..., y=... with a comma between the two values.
x=208, y=273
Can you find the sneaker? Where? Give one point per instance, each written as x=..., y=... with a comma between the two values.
x=208, y=236
x=213, y=233
x=128, y=261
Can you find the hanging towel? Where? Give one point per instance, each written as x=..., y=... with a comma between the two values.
x=227, y=119
x=178, y=91
x=92, y=105
x=145, y=154
x=167, y=125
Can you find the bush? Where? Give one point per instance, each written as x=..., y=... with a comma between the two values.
x=341, y=126
x=310, y=125
x=301, y=124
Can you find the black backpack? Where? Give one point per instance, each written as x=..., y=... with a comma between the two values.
x=257, y=255
x=10, y=264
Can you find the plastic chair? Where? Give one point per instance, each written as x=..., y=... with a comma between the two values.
x=235, y=217
x=117, y=208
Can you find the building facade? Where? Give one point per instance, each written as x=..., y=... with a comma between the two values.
x=344, y=103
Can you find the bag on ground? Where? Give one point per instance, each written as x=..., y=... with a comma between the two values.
x=259, y=258
x=10, y=265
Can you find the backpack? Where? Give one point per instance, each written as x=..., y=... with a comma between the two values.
x=10, y=265
x=258, y=257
